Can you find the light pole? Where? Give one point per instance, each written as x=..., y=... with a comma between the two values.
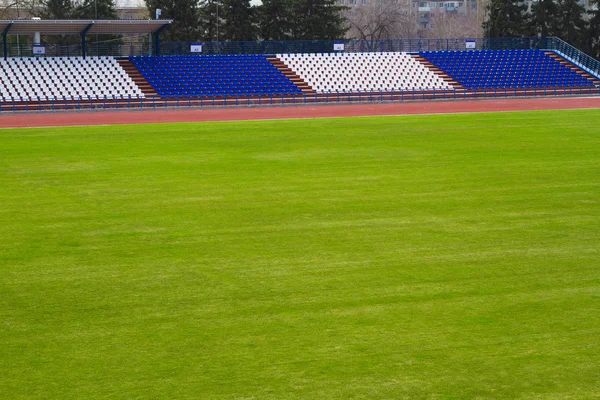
x=95, y=18
x=217, y=21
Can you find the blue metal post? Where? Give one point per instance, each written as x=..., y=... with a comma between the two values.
x=83, y=43
x=4, y=42
x=157, y=39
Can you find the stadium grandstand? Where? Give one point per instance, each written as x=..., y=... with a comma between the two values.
x=204, y=74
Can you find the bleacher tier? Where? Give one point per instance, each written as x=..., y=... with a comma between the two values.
x=64, y=78
x=208, y=76
x=362, y=72
x=505, y=69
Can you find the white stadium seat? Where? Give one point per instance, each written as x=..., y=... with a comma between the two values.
x=65, y=78
x=362, y=72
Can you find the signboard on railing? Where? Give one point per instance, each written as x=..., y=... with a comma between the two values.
x=39, y=50
x=196, y=48
x=338, y=47
x=470, y=44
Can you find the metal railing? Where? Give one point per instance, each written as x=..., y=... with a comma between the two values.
x=16, y=105
x=128, y=48
x=576, y=56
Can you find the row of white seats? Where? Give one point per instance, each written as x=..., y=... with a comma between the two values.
x=65, y=78
x=347, y=72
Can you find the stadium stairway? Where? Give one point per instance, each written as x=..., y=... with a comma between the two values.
x=447, y=78
x=137, y=77
x=574, y=68
x=291, y=75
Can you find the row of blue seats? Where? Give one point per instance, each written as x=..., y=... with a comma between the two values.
x=505, y=69
x=230, y=75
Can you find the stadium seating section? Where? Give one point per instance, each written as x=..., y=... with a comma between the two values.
x=505, y=69
x=73, y=78
x=362, y=72
x=67, y=78
x=230, y=75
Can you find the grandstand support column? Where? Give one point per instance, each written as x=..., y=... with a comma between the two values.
x=83, y=44
x=157, y=40
x=4, y=42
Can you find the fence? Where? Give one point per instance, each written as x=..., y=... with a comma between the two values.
x=282, y=100
x=126, y=47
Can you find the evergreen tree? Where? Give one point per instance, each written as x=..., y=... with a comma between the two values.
x=96, y=9
x=317, y=19
x=238, y=17
x=593, y=32
x=57, y=9
x=571, y=24
x=507, y=18
x=544, y=18
x=207, y=14
x=274, y=19
x=186, y=26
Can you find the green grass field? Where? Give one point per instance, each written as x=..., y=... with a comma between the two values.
x=423, y=257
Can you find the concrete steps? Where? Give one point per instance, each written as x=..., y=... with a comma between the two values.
x=574, y=67
x=291, y=75
x=445, y=77
x=138, y=78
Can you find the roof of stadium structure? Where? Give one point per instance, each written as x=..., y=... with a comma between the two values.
x=74, y=27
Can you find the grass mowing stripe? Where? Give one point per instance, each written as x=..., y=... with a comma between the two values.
x=450, y=256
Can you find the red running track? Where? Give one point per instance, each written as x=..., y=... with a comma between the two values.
x=30, y=120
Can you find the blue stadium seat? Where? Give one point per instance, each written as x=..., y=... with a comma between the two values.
x=208, y=76
x=505, y=69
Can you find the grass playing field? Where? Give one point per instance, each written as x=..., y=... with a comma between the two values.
x=431, y=257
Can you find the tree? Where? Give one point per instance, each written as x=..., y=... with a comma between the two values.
x=207, y=16
x=593, y=32
x=238, y=18
x=571, y=24
x=544, y=18
x=187, y=24
x=57, y=9
x=317, y=19
x=17, y=9
x=274, y=19
x=381, y=19
x=95, y=9
x=506, y=18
